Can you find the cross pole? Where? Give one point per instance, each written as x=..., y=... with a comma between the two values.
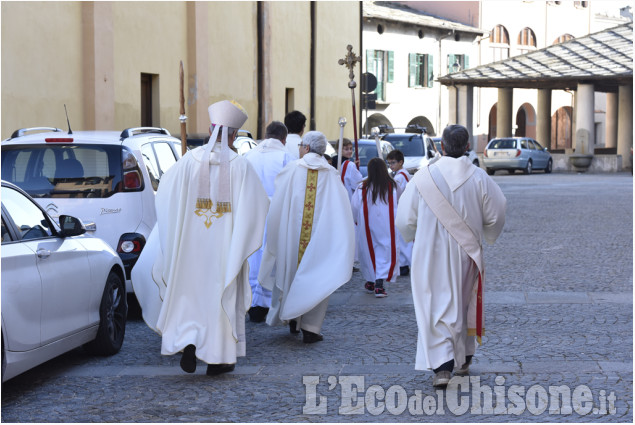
x=350, y=61
x=182, y=117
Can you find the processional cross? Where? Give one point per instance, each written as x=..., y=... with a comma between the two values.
x=350, y=61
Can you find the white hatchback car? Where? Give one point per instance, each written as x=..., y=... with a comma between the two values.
x=107, y=179
x=60, y=288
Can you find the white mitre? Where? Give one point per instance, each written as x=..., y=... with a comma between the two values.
x=223, y=115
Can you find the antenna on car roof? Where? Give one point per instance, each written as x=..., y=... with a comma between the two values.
x=67, y=121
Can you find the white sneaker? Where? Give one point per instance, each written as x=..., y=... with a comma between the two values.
x=441, y=378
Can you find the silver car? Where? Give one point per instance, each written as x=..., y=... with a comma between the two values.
x=516, y=153
x=60, y=289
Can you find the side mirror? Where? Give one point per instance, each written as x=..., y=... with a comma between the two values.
x=71, y=226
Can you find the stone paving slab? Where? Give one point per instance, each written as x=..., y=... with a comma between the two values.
x=558, y=315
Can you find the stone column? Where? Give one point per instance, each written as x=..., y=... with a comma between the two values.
x=625, y=125
x=543, y=119
x=453, y=108
x=504, y=112
x=197, y=68
x=584, y=141
x=465, y=110
x=98, y=63
x=611, y=119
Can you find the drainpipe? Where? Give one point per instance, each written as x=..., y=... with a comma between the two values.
x=260, y=81
x=312, y=70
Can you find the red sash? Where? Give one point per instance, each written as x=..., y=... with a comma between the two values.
x=344, y=167
x=405, y=176
x=369, y=239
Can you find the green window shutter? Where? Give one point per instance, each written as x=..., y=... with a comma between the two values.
x=391, y=60
x=430, y=70
x=451, y=60
x=369, y=60
x=412, y=69
x=467, y=62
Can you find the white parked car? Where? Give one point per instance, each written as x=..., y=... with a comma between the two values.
x=107, y=179
x=60, y=288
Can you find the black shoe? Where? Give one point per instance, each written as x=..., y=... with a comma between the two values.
x=217, y=369
x=404, y=271
x=188, y=359
x=258, y=314
x=293, y=327
x=310, y=337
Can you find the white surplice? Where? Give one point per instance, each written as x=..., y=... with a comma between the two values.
x=402, y=177
x=301, y=291
x=351, y=177
x=377, y=247
x=194, y=271
x=292, y=145
x=268, y=159
x=444, y=277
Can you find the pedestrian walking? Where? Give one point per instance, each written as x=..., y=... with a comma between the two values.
x=300, y=263
x=450, y=207
x=192, y=279
x=295, y=121
x=268, y=159
x=374, y=206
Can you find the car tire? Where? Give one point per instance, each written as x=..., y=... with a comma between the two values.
x=112, y=318
x=549, y=167
x=528, y=168
x=490, y=171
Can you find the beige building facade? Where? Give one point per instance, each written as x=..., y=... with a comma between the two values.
x=116, y=64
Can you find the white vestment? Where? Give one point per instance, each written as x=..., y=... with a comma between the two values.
x=292, y=145
x=193, y=272
x=376, y=235
x=301, y=291
x=351, y=177
x=445, y=279
x=268, y=159
x=402, y=177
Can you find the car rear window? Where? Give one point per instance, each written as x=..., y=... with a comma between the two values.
x=63, y=170
x=408, y=144
x=503, y=144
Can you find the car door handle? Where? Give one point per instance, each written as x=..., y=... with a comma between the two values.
x=43, y=253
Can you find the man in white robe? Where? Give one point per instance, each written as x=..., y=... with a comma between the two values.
x=295, y=121
x=268, y=159
x=192, y=280
x=448, y=209
x=300, y=264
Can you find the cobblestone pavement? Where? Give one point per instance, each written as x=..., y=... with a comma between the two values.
x=559, y=317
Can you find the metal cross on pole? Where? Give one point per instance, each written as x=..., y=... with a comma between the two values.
x=350, y=60
x=182, y=117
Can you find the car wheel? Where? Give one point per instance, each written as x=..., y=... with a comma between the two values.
x=476, y=163
x=112, y=318
x=490, y=171
x=528, y=168
x=549, y=167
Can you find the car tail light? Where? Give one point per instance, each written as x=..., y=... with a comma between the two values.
x=59, y=140
x=485, y=153
x=517, y=152
x=131, y=243
x=132, y=179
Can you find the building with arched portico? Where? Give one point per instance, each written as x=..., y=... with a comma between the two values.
x=600, y=62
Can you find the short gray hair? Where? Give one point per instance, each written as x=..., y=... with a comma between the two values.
x=455, y=140
x=316, y=142
x=276, y=130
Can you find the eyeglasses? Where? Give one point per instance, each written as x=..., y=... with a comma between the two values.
x=392, y=162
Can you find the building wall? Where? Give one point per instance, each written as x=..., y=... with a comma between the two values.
x=90, y=56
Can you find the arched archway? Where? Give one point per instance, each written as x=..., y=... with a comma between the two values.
x=423, y=122
x=526, y=121
x=561, y=128
x=491, y=132
x=375, y=120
